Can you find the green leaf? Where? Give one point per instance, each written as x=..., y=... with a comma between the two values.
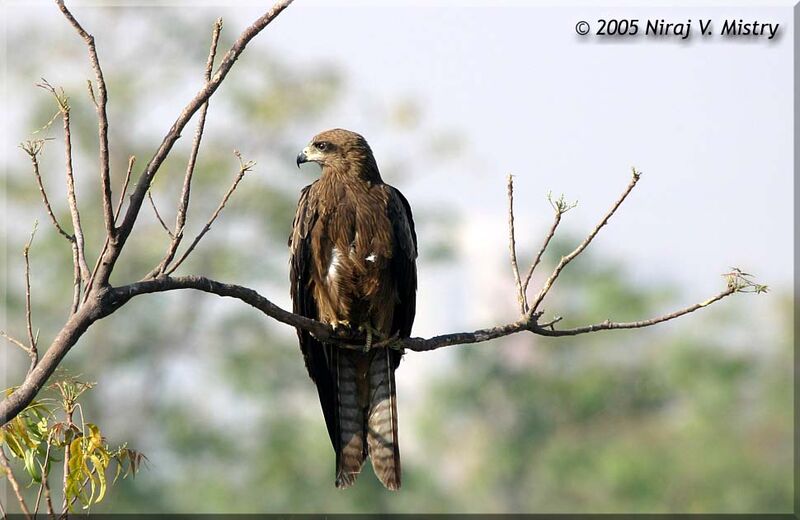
x=100, y=467
x=13, y=444
x=95, y=438
x=30, y=465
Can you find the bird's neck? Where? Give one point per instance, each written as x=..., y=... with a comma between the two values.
x=362, y=170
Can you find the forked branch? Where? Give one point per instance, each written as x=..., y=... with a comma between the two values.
x=77, y=228
x=102, y=118
x=244, y=167
x=183, y=204
x=95, y=303
x=583, y=245
x=560, y=206
x=33, y=149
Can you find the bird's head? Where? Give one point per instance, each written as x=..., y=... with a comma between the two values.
x=341, y=151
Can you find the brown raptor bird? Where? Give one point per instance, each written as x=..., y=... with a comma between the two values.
x=353, y=265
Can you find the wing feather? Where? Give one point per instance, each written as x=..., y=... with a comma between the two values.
x=404, y=266
x=319, y=359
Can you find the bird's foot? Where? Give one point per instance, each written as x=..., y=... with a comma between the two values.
x=371, y=333
x=342, y=328
x=392, y=341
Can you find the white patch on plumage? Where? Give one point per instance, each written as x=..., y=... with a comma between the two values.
x=371, y=258
x=333, y=265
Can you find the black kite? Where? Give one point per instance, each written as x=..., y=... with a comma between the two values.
x=353, y=265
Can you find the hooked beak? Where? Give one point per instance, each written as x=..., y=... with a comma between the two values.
x=301, y=158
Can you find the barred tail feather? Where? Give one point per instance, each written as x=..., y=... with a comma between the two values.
x=382, y=421
x=352, y=452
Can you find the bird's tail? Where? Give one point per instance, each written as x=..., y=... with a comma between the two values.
x=381, y=418
x=352, y=448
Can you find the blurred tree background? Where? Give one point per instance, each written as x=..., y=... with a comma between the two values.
x=694, y=419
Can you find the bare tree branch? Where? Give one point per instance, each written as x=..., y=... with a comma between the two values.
x=244, y=167
x=76, y=278
x=609, y=325
x=183, y=204
x=102, y=118
x=560, y=207
x=114, y=298
x=14, y=341
x=131, y=161
x=5, y=466
x=96, y=304
x=578, y=250
x=43, y=484
x=33, y=352
x=551, y=323
x=32, y=148
x=512, y=247
x=152, y=167
x=31, y=348
x=120, y=295
x=48, y=500
x=77, y=229
x=158, y=215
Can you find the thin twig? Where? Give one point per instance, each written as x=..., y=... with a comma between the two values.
x=39, y=495
x=560, y=208
x=90, y=88
x=244, y=167
x=608, y=325
x=102, y=119
x=158, y=215
x=67, y=455
x=33, y=352
x=76, y=279
x=77, y=229
x=43, y=485
x=512, y=247
x=32, y=148
x=131, y=161
x=578, y=250
x=551, y=322
x=49, y=500
x=14, y=484
x=183, y=204
x=14, y=341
